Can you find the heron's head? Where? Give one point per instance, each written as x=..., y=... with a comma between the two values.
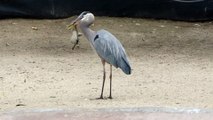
x=85, y=18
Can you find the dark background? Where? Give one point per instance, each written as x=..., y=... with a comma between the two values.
x=189, y=10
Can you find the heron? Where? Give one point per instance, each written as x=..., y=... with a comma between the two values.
x=106, y=45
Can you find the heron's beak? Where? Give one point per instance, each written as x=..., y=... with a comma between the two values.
x=73, y=23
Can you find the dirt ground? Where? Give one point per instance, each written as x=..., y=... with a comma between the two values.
x=172, y=65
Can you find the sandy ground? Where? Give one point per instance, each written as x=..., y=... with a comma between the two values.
x=172, y=65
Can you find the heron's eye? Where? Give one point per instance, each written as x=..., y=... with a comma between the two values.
x=84, y=13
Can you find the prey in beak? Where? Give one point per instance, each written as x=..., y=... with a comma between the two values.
x=76, y=21
x=73, y=26
x=75, y=34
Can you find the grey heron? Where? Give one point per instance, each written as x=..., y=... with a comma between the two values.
x=106, y=45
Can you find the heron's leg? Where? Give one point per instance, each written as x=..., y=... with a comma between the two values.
x=104, y=77
x=110, y=77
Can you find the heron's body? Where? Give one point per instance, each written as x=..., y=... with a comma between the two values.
x=106, y=45
x=111, y=50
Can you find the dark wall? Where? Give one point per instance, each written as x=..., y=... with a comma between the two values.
x=164, y=9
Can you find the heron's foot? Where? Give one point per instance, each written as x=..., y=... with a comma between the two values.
x=100, y=98
x=110, y=97
x=103, y=98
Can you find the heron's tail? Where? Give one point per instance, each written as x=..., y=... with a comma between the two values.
x=124, y=65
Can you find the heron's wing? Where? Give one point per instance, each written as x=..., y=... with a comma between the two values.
x=111, y=50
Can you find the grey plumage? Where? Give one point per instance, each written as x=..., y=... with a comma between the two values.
x=111, y=50
x=106, y=45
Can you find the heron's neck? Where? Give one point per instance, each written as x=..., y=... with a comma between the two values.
x=89, y=33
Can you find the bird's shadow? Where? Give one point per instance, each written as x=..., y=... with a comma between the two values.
x=104, y=98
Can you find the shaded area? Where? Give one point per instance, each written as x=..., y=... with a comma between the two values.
x=51, y=37
x=189, y=10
